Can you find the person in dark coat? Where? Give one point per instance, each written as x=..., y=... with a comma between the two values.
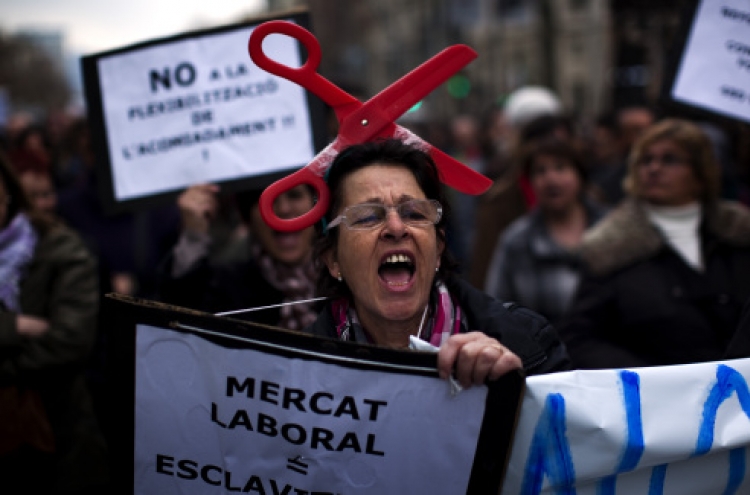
x=536, y=262
x=391, y=280
x=275, y=268
x=50, y=441
x=667, y=271
x=511, y=195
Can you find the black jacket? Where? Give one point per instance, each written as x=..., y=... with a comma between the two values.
x=216, y=288
x=521, y=330
x=641, y=304
x=59, y=285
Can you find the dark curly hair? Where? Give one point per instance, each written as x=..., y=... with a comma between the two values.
x=552, y=146
x=356, y=157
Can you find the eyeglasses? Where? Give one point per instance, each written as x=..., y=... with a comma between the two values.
x=667, y=159
x=366, y=216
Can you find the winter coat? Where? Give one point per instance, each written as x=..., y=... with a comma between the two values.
x=43, y=377
x=217, y=288
x=495, y=210
x=530, y=268
x=522, y=331
x=641, y=304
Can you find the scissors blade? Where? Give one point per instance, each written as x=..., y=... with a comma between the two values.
x=392, y=102
x=459, y=176
x=403, y=94
x=453, y=173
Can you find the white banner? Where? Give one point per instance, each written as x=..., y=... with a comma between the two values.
x=196, y=109
x=213, y=418
x=210, y=419
x=675, y=430
x=714, y=72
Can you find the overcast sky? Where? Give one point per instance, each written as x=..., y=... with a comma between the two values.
x=91, y=26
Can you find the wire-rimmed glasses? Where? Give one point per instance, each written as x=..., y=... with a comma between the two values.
x=366, y=216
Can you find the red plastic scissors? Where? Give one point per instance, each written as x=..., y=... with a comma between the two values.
x=358, y=122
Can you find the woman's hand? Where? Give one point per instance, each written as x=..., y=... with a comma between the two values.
x=123, y=283
x=475, y=357
x=31, y=326
x=198, y=206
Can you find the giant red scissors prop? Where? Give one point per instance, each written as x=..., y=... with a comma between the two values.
x=359, y=122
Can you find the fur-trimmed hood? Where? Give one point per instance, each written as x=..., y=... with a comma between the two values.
x=626, y=235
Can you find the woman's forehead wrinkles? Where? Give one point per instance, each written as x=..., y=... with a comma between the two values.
x=378, y=200
x=380, y=184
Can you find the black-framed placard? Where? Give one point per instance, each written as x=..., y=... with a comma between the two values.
x=712, y=72
x=215, y=405
x=194, y=108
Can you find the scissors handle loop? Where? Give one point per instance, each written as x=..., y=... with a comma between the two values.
x=302, y=176
x=255, y=47
x=307, y=75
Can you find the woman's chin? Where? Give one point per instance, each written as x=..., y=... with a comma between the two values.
x=287, y=240
x=288, y=256
x=400, y=302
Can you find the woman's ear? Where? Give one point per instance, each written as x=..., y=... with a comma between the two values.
x=329, y=258
x=440, y=246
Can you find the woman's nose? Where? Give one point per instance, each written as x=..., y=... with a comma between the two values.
x=282, y=207
x=394, y=225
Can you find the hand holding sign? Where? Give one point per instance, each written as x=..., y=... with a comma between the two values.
x=198, y=206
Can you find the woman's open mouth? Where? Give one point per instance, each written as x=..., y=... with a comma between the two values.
x=397, y=270
x=286, y=240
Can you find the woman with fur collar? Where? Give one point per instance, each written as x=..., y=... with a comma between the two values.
x=666, y=271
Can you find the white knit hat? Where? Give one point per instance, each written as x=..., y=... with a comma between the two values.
x=529, y=102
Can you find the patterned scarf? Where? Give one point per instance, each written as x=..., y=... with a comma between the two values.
x=296, y=282
x=17, y=242
x=445, y=319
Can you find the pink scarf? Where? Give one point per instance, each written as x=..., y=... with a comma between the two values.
x=445, y=319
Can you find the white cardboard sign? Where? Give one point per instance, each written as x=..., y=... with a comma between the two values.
x=714, y=72
x=210, y=419
x=197, y=109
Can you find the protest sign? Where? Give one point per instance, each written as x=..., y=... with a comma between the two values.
x=713, y=73
x=169, y=113
x=219, y=405
x=225, y=405
x=672, y=430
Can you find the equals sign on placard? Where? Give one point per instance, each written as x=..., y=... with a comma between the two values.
x=296, y=464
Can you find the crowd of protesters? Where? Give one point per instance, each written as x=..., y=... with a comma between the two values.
x=577, y=226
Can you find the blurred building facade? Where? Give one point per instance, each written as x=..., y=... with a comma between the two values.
x=31, y=71
x=595, y=54
x=50, y=40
